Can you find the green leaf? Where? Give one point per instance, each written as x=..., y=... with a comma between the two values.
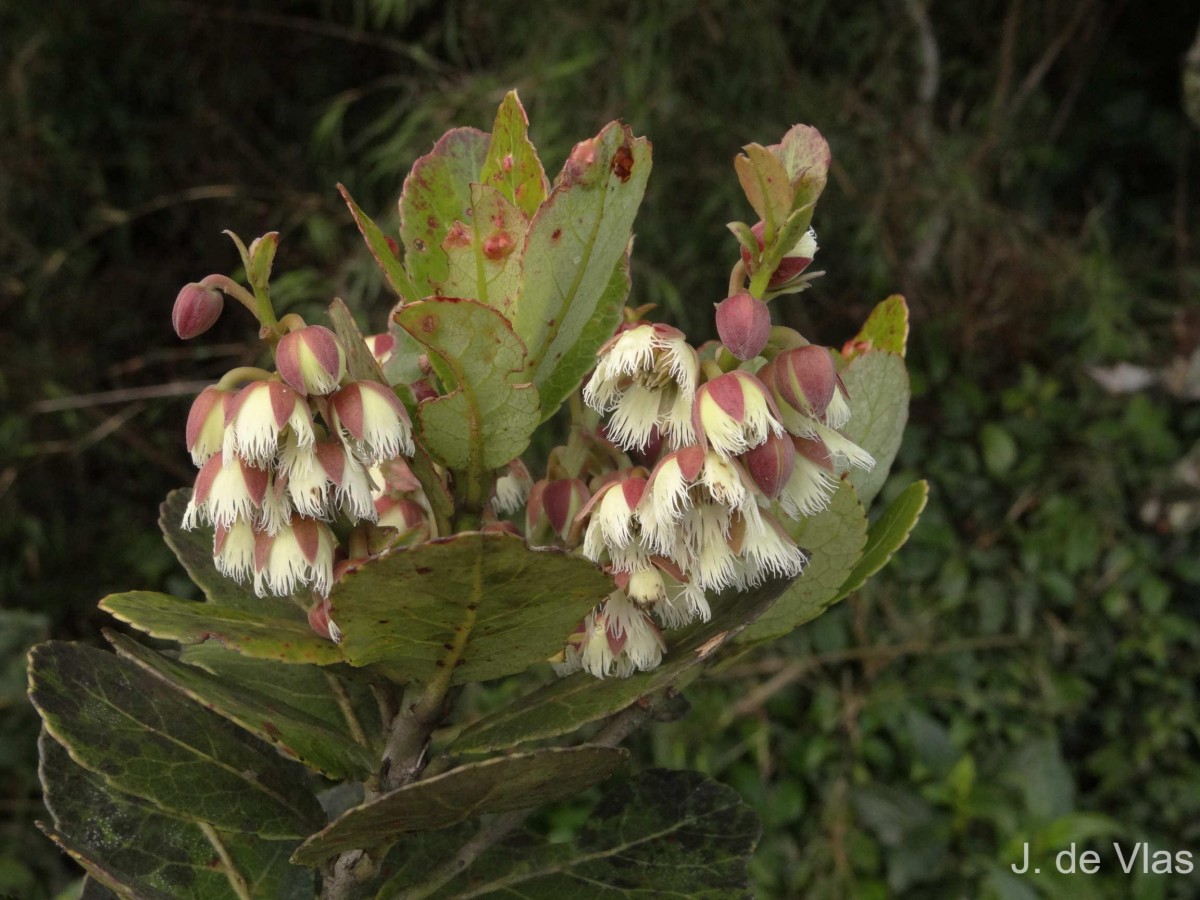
x=887, y=535
x=488, y=417
x=581, y=358
x=806, y=157
x=765, y=181
x=150, y=854
x=575, y=240
x=262, y=258
x=886, y=328
x=142, y=738
x=519, y=781
x=336, y=695
x=289, y=640
x=662, y=833
x=567, y=704
x=484, y=259
x=834, y=540
x=360, y=364
x=193, y=549
x=877, y=383
x=294, y=732
x=470, y=607
x=436, y=194
x=377, y=243
x=512, y=163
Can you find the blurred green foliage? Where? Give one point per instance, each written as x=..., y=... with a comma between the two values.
x=1023, y=172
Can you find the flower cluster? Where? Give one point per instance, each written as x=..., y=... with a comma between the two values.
x=724, y=448
x=283, y=454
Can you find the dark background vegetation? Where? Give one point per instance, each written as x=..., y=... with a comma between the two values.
x=1021, y=169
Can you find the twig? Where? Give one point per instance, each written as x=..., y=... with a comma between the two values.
x=1054, y=49
x=322, y=29
x=121, y=395
x=107, y=426
x=789, y=672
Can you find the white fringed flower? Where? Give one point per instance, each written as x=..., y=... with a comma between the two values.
x=734, y=413
x=646, y=376
x=844, y=451
x=612, y=528
x=370, y=414
x=684, y=603
x=257, y=415
x=227, y=489
x=620, y=639
x=233, y=550
x=812, y=482
x=300, y=554
x=767, y=550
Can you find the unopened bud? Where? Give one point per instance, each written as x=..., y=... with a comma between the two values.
x=311, y=360
x=196, y=309
x=744, y=324
x=770, y=464
x=319, y=621
x=803, y=381
x=551, y=508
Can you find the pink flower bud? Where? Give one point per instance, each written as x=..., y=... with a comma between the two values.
x=319, y=621
x=803, y=381
x=794, y=262
x=196, y=309
x=381, y=346
x=422, y=390
x=311, y=360
x=770, y=464
x=744, y=324
x=551, y=508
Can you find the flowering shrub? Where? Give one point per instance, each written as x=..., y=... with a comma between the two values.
x=369, y=539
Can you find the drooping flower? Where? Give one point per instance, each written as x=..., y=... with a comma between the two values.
x=734, y=413
x=326, y=477
x=765, y=547
x=300, y=554
x=812, y=482
x=612, y=528
x=512, y=488
x=227, y=489
x=373, y=417
x=205, y=433
x=257, y=415
x=646, y=376
x=233, y=549
x=619, y=639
